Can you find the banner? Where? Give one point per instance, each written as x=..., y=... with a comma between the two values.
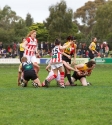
x=78, y=60
x=47, y=60
x=12, y=61
x=103, y=60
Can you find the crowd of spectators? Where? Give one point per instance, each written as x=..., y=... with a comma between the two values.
x=44, y=48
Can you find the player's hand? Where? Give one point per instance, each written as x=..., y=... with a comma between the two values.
x=19, y=83
x=69, y=57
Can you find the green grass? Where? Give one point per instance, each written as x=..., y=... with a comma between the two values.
x=78, y=105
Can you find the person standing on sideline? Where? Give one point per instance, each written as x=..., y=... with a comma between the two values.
x=70, y=51
x=21, y=49
x=30, y=48
x=92, y=48
x=57, y=63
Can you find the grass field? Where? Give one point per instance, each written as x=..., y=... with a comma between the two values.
x=77, y=105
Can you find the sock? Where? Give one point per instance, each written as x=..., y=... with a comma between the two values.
x=69, y=78
x=61, y=78
x=51, y=78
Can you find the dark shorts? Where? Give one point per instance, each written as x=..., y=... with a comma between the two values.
x=30, y=74
x=91, y=55
x=76, y=76
x=21, y=54
x=66, y=59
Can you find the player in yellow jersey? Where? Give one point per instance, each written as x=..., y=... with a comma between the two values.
x=81, y=71
x=21, y=49
x=92, y=48
x=70, y=51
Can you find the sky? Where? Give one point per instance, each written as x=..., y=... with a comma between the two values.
x=39, y=9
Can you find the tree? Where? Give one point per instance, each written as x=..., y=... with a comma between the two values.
x=20, y=30
x=103, y=26
x=86, y=15
x=12, y=27
x=29, y=20
x=59, y=23
x=42, y=32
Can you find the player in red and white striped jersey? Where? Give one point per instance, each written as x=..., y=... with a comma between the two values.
x=56, y=63
x=30, y=46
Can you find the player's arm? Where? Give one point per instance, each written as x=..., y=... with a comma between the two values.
x=93, y=50
x=68, y=67
x=19, y=74
x=19, y=78
x=47, y=68
x=65, y=46
x=68, y=56
x=25, y=43
x=36, y=65
x=75, y=54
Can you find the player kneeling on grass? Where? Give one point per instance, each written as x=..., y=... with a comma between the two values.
x=81, y=71
x=28, y=73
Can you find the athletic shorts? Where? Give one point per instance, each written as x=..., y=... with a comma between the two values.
x=31, y=58
x=91, y=55
x=76, y=76
x=52, y=73
x=30, y=74
x=56, y=65
x=66, y=59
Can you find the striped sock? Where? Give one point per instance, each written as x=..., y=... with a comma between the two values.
x=61, y=78
x=51, y=78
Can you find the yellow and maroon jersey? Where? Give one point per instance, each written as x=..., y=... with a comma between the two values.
x=84, y=68
x=93, y=46
x=70, y=49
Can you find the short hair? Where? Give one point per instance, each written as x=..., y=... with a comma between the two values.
x=57, y=42
x=69, y=38
x=24, y=59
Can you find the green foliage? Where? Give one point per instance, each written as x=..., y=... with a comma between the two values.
x=103, y=26
x=86, y=14
x=29, y=20
x=54, y=105
x=42, y=32
x=59, y=23
x=12, y=27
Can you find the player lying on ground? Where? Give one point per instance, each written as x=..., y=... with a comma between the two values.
x=81, y=71
x=27, y=68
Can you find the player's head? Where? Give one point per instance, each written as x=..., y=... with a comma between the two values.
x=24, y=59
x=57, y=42
x=94, y=39
x=32, y=34
x=69, y=38
x=91, y=64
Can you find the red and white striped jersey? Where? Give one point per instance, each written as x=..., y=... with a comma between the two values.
x=31, y=44
x=56, y=55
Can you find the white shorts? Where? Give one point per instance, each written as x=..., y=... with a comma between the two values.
x=52, y=73
x=31, y=58
x=56, y=65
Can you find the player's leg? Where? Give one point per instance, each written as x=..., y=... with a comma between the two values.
x=36, y=81
x=53, y=76
x=61, y=75
x=35, y=63
x=83, y=81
